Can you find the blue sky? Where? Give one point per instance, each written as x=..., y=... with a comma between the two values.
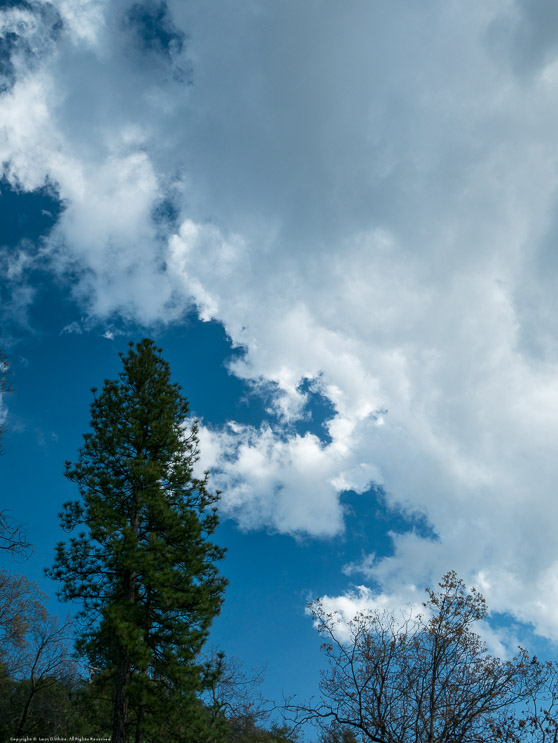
x=339, y=222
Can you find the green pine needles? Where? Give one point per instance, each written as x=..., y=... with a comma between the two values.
x=141, y=564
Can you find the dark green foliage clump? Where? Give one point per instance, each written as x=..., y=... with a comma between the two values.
x=141, y=564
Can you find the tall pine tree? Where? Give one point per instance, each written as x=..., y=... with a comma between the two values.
x=141, y=563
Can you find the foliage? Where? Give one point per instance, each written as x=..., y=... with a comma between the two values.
x=430, y=678
x=141, y=564
x=336, y=733
x=247, y=731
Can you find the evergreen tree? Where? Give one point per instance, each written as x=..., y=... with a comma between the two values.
x=142, y=565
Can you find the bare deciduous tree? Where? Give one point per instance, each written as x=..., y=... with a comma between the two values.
x=35, y=654
x=20, y=600
x=47, y=662
x=13, y=536
x=234, y=695
x=235, y=692
x=430, y=678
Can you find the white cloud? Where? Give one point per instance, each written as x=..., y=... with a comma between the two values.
x=365, y=199
x=18, y=21
x=74, y=328
x=364, y=601
x=285, y=484
x=3, y=411
x=84, y=20
x=405, y=606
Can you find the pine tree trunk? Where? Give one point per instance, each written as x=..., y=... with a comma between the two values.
x=141, y=708
x=120, y=707
x=139, y=726
x=123, y=673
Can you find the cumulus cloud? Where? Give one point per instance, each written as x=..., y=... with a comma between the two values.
x=290, y=483
x=364, y=196
x=405, y=606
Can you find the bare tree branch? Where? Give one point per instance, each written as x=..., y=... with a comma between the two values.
x=13, y=537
